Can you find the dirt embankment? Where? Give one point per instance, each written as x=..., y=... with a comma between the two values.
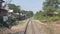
x=53, y=28
x=4, y=30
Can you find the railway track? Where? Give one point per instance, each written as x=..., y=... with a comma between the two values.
x=31, y=28
x=34, y=27
x=24, y=30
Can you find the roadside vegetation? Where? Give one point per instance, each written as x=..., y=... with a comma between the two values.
x=15, y=18
x=50, y=13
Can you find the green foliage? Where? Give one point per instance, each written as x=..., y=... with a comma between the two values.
x=51, y=11
x=11, y=22
x=29, y=13
x=8, y=23
x=14, y=7
x=58, y=10
x=43, y=18
x=2, y=23
x=50, y=6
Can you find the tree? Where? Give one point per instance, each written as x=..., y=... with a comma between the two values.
x=29, y=13
x=50, y=6
x=14, y=7
x=58, y=10
x=51, y=11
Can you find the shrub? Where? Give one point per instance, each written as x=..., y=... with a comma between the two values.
x=11, y=22
x=46, y=19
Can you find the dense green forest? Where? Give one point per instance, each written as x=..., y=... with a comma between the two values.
x=50, y=12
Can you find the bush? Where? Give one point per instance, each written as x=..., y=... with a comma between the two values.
x=11, y=22
x=47, y=18
x=1, y=22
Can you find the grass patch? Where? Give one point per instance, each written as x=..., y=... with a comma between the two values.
x=48, y=19
x=20, y=22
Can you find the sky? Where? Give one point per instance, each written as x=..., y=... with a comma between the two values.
x=33, y=5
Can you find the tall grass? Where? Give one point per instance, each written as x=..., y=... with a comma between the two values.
x=47, y=18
